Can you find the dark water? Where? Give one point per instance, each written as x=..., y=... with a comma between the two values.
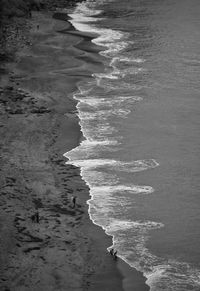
x=140, y=118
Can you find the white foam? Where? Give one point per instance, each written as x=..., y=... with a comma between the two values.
x=88, y=147
x=95, y=177
x=113, y=46
x=114, y=101
x=88, y=8
x=109, y=37
x=173, y=276
x=134, y=166
x=83, y=90
x=135, y=189
x=137, y=166
x=116, y=74
x=82, y=18
x=128, y=68
x=84, y=13
x=112, y=39
x=116, y=225
x=103, y=129
x=162, y=274
x=103, y=114
x=93, y=163
x=98, y=142
x=127, y=60
x=105, y=37
x=112, y=75
x=110, y=85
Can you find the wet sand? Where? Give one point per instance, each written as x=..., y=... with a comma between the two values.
x=38, y=124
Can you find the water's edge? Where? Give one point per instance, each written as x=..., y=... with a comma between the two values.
x=132, y=278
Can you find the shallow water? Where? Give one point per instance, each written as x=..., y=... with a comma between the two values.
x=140, y=118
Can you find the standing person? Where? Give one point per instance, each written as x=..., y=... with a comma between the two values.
x=37, y=218
x=74, y=201
x=111, y=252
x=115, y=255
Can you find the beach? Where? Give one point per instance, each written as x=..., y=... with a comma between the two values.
x=62, y=249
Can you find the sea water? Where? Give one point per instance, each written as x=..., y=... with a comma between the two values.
x=140, y=121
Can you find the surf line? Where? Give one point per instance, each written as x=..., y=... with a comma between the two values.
x=86, y=41
x=85, y=44
x=147, y=226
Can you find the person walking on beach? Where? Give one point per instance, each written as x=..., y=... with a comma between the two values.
x=111, y=252
x=74, y=201
x=37, y=218
x=115, y=255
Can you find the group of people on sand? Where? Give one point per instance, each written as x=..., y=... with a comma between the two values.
x=36, y=218
x=113, y=253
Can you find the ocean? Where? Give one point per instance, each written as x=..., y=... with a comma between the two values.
x=140, y=122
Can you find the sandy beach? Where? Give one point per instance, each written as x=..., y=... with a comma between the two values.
x=64, y=250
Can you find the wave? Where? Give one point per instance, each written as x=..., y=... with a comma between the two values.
x=173, y=276
x=123, y=59
x=109, y=85
x=135, y=189
x=161, y=274
x=90, y=114
x=94, y=101
x=117, y=225
x=134, y=166
x=117, y=74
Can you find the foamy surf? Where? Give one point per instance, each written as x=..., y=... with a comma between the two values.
x=161, y=274
x=173, y=276
x=116, y=225
x=134, y=166
x=94, y=101
x=134, y=189
x=122, y=59
x=103, y=102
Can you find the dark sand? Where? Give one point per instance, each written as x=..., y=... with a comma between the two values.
x=38, y=124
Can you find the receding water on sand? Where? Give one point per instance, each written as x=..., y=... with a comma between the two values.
x=139, y=120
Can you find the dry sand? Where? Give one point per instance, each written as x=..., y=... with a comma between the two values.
x=38, y=124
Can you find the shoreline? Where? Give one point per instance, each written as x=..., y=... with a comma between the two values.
x=128, y=273
x=38, y=124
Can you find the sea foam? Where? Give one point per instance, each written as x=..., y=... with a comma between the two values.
x=135, y=189
x=110, y=199
x=134, y=166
